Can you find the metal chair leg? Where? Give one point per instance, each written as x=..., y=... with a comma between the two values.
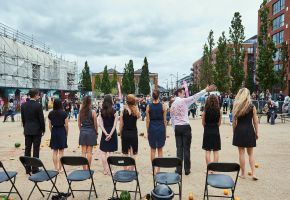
x=53, y=186
x=13, y=185
x=95, y=189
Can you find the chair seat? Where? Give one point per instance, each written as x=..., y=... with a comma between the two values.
x=167, y=178
x=4, y=177
x=79, y=175
x=42, y=176
x=220, y=181
x=125, y=176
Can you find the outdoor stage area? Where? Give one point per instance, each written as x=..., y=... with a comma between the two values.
x=272, y=155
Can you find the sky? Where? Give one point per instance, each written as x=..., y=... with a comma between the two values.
x=170, y=33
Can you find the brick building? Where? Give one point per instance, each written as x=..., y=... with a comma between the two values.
x=137, y=74
x=250, y=47
x=279, y=14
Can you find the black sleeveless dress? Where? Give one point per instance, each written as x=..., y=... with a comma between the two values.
x=211, y=135
x=112, y=144
x=244, y=133
x=129, y=133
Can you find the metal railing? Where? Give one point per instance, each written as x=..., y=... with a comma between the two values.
x=15, y=35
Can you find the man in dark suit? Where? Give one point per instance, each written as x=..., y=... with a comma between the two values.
x=34, y=125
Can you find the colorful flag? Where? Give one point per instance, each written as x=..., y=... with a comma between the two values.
x=186, y=88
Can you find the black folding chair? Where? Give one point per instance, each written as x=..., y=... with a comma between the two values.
x=168, y=178
x=221, y=181
x=9, y=176
x=78, y=175
x=41, y=176
x=124, y=176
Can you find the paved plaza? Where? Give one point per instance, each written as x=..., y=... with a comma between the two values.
x=272, y=154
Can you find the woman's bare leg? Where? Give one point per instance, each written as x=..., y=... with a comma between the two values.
x=215, y=156
x=160, y=155
x=242, y=161
x=250, y=152
x=104, y=161
x=89, y=154
x=84, y=154
x=55, y=159
x=207, y=157
x=60, y=154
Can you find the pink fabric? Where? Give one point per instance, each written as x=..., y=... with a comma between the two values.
x=179, y=108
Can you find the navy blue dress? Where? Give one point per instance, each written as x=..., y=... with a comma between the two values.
x=58, y=138
x=112, y=144
x=156, y=131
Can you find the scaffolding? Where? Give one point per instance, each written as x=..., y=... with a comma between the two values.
x=29, y=63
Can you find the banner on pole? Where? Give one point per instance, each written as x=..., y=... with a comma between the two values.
x=119, y=91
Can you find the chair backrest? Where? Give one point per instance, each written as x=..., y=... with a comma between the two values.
x=121, y=161
x=30, y=161
x=74, y=160
x=223, y=167
x=167, y=162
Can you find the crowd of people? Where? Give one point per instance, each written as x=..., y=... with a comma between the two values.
x=106, y=115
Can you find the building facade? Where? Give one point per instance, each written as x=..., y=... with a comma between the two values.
x=279, y=14
x=137, y=74
x=250, y=49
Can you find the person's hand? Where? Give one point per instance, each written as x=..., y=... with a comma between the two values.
x=210, y=88
x=108, y=137
x=257, y=136
x=145, y=135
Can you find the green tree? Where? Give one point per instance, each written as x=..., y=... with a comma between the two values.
x=98, y=82
x=284, y=60
x=207, y=67
x=237, y=54
x=130, y=69
x=222, y=77
x=267, y=77
x=86, y=78
x=250, y=76
x=125, y=81
x=106, y=86
x=144, y=84
x=114, y=80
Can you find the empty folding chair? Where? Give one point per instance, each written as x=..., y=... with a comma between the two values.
x=124, y=176
x=168, y=178
x=221, y=181
x=8, y=176
x=78, y=175
x=42, y=176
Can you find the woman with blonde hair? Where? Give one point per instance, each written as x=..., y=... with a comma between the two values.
x=245, y=128
x=128, y=127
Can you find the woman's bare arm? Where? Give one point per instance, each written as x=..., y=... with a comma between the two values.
x=203, y=119
x=115, y=124
x=49, y=125
x=220, y=119
x=255, y=122
x=79, y=121
x=121, y=123
x=147, y=120
x=101, y=125
x=66, y=126
x=94, y=115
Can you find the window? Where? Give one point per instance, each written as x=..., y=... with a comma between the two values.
x=278, y=22
x=277, y=67
x=278, y=55
x=278, y=38
x=250, y=50
x=278, y=6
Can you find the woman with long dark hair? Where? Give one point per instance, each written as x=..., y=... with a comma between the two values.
x=128, y=127
x=211, y=120
x=108, y=123
x=58, y=125
x=87, y=122
x=156, y=125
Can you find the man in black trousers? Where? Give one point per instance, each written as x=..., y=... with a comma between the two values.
x=34, y=125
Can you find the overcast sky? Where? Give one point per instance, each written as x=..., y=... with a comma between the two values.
x=170, y=33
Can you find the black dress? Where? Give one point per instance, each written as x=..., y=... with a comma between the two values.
x=58, y=138
x=129, y=133
x=211, y=135
x=112, y=144
x=244, y=133
x=88, y=133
